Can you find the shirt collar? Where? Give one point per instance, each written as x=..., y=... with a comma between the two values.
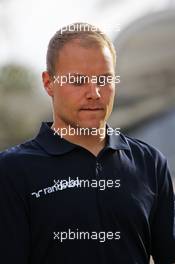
x=53, y=144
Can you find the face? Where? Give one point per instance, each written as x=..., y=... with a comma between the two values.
x=82, y=102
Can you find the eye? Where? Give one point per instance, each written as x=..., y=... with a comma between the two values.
x=77, y=80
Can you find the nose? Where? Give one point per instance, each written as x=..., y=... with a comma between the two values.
x=93, y=91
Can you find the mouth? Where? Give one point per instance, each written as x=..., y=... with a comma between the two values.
x=92, y=109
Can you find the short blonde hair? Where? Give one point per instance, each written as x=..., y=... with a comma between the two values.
x=89, y=36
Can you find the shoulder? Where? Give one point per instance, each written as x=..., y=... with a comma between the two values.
x=142, y=150
x=18, y=153
x=15, y=166
x=149, y=160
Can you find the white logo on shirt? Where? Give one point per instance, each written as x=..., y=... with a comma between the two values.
x=59, y=185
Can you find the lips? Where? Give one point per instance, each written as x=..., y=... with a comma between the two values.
x=93, y=108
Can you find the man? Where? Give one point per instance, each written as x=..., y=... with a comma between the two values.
x=80, y=192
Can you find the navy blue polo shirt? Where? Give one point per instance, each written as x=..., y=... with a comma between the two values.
x=60, y=204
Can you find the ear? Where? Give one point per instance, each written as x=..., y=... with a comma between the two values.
x=47, y=82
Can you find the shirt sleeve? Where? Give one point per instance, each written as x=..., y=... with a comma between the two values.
x=163, y=228
x=14, y=223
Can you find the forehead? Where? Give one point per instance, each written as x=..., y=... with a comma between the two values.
x=74, y=57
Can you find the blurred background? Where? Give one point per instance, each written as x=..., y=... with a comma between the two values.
x=143, y=33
